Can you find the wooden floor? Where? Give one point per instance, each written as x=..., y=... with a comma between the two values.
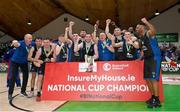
x=23, y=103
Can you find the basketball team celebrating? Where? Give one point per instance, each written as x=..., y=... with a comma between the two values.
x=126, y=45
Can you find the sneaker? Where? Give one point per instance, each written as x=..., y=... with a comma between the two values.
x=150, y=100
x=24, y=94
x=10, y=97
x=154, y=104
x=38, y=98
x=31, y=94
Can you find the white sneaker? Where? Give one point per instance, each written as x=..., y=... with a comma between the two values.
x=31, y=94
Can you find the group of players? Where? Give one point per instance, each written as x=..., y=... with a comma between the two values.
x=70, y=47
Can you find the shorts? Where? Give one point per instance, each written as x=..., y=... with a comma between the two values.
x=33, y=68
x=152, y=68
x=41, y=69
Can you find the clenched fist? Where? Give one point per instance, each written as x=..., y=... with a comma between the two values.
x=108, y=21
x=71, y=23
x=144, y=20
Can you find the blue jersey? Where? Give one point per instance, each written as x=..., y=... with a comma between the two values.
x=104, y=53
x=21, y=53
x=155, y=48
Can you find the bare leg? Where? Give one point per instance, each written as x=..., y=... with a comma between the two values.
x=155, y=84
x=39, y=83
x=33, y=80
x=150, y=86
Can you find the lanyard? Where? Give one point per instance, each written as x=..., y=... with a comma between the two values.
x=128, y=47
x=47, y=53
x=103, y=44
x=88, y=47
x=63, y=48
x=27, y=49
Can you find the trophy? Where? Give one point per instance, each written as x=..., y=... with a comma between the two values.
x=89, y=60
x=129, y=55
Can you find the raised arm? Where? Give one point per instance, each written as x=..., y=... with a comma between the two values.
x=108, y=21
x=95, y=38
x=71, y=23
x=69, y=42
x=151, y=29
x=96, y=55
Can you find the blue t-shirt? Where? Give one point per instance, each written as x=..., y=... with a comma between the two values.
x=104, y=53
x=21, y=53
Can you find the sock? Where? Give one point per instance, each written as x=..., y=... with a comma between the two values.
x=38, y=93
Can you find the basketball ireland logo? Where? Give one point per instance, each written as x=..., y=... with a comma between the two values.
x=106, y=66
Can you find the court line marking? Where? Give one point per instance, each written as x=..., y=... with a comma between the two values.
x=11, y=103
x=26, y=110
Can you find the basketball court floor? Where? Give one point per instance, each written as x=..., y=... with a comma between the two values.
x=171, y=103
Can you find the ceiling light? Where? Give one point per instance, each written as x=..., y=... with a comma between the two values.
x=87, y=18
x=29, y=23
x=157, y=12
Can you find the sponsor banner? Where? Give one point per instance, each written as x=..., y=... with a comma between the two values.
x=170, y=67
x=108, y=81
x=167, y=37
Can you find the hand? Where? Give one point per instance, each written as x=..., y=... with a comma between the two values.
x=130, y=42
x=112, y=38
x=13, y=42
x=97, y=23
x=53, y=60
x=71, y=23
x=62, y=44
x=67, y=29
x=40, y=61
x=113, y=23
x=95, y=27
x=144, y=20
x=108, y=21
x=37, y=64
